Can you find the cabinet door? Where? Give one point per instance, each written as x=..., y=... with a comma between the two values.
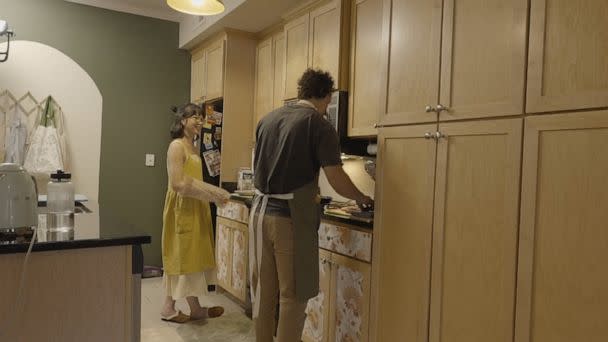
x=215, y=70
x=263, y=80
x=240, y=261
x=411, y=36
x=365, y=85
x=562, y=278
x=350, y=288
x=324, y=46
x=296, y=54
x=475, y=231
x=402, y=234
x=224, y=253
x=278, y=62
x=567, y=66
x=483, y=58
x=316, y=326
x=197, y=77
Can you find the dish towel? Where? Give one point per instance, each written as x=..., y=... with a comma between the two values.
x=44, y=152
x=16, y=134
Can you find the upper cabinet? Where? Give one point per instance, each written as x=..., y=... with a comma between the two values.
x=365, y=57
x=197, y=76
x=269, y=80
x=483, y=58
x=567, y=63
x=317, y=39
x=278, y=55
x=215, y=70
x=264, y=80
x=411, y=55
x=296, y=53
x=207, y=72
x=476, y=71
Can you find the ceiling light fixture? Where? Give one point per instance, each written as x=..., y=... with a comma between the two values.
x=197, y=7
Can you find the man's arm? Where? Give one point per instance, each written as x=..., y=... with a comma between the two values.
x=343, y=185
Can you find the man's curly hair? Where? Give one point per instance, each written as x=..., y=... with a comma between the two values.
x=315, y=84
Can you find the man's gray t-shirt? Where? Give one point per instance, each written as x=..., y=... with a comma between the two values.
x=292, y=144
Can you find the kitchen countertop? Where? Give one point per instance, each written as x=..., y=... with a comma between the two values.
x=358, y=222
x=91, y=230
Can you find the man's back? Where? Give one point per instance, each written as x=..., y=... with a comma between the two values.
x=293, y=142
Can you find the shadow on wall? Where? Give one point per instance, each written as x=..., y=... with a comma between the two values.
x=43, y=70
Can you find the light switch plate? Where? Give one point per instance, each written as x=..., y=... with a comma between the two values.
x=149, y=159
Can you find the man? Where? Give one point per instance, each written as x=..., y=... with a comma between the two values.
x=293, y=143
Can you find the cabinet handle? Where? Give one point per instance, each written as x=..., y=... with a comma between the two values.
x=430, y=109
x=440, y=108
x=428, y=135
x=438, y=135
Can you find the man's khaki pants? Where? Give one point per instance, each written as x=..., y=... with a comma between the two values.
x=277, y=280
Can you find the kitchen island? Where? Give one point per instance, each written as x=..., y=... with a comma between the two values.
x=80, y=286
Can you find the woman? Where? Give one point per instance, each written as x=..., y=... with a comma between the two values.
x=187, y=239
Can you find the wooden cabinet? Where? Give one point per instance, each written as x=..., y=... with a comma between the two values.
x=232, y=257
x=296, y=53
x=341, y=310
x=562, y=278
x=269, y=76
x=278, y=55
x=197, y=76
x=447, y=209
x=317, y=39
x=264, y=80
x=403, y=234
x=215, y=70
x=324, y=38
x=482, y=58
x=365, y=86
x=411, y=57
x=207, y=72
x=475, y=231
x=567, y=66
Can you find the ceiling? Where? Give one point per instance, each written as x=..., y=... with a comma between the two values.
x=250, y=16
x=148, y=8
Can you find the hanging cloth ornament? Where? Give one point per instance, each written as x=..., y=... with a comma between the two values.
x=44, y=153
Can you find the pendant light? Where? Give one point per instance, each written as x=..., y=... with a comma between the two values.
x=197, y=7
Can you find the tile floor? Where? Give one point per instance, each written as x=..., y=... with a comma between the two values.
x=233, y=326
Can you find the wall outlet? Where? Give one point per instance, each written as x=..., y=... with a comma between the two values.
x=149, y=159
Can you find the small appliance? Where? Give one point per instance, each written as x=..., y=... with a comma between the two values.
x=18, y=199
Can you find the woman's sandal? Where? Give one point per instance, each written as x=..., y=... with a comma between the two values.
x=215, y=311
x=178, y=317
x=212, y=312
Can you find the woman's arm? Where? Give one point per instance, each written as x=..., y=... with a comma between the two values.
x=187, y=186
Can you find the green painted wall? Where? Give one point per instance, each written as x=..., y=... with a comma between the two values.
x=140, y=72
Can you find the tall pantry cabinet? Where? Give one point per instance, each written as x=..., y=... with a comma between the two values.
x=493, y=229
x=447, y=236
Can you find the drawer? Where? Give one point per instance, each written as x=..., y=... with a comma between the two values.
x=347, y=241
x=236, y=211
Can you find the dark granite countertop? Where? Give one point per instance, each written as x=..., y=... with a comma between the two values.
x=354, y=221
x=91, y=230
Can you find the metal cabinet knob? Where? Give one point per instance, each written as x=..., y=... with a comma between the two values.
x=429, y=109
x=440, y=108
x=428, y=135
x=438, y=135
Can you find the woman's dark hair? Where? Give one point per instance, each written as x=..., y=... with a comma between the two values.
x=181, y=113
x=315, y=84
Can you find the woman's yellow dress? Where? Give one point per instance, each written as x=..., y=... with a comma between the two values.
x=187, y=238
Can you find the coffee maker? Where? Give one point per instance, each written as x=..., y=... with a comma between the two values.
x=18, y=201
